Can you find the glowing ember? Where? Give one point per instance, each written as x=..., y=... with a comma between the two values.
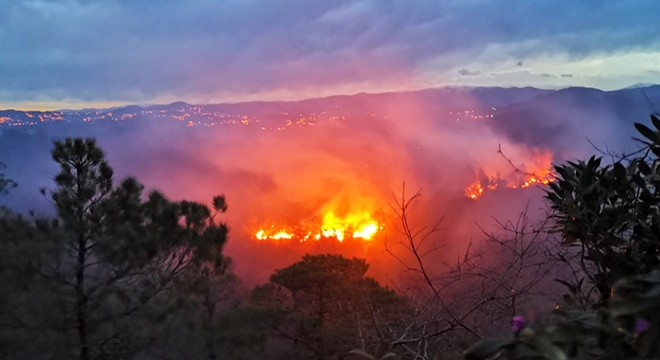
x=474, y=191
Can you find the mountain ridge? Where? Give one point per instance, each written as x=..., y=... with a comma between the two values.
x=477, y=89
x=516, y=102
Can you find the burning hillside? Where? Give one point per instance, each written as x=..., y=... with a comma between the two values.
x=326, y=188
x=354, y=216
x=538, y=171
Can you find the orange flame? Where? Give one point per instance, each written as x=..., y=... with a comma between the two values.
x=474, y=191
x=355, y=226
x=351, y=214
x=540, y=173
x=282, y=234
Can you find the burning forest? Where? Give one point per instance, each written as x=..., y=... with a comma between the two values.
x=419, y=223
x=325, y=180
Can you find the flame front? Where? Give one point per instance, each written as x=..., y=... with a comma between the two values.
x=282, y=234
x=540, y=173
x=362, y=225
x=356, y=226
x=476, y=189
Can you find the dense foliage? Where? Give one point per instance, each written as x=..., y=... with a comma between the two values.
x=91, y=280
x=610, y=214
x=625, y=329
x=330, y=307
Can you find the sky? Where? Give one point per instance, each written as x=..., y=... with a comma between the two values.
x=58, y=54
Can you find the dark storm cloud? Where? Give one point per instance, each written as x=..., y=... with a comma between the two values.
x=141, y=50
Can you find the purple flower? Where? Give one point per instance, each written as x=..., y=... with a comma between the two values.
x=642, y=325
x=517, y=323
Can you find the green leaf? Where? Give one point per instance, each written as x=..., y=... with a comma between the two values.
x=553, y=197
x=619, y=171
x=551, y=350
x=646, y=132
x=644, y=168
x=632, y=307
x=656, y=151
x=487, y=348
x=656, y=121
x=523, y=352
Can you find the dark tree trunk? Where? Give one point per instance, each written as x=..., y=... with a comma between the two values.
x=81, y=301
x=210, y=312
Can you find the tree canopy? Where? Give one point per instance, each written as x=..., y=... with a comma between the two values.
x=5, y=183
x=110, y=255
x=329, y=307
x=611, y=214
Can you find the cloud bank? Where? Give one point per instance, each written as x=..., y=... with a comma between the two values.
x=141, y=51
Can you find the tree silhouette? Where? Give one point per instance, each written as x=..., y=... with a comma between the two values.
x=610, y=212
x=114, y=254
x=5, y=183
x=330, y=309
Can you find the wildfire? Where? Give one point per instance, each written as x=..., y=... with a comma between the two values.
x=356, y=226
x=541, y=173
x=474, y=191
x=282, y=234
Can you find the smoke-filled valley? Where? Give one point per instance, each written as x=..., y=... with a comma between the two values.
x=317, y=172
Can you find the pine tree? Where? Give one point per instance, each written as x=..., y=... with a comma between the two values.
x=119, y=254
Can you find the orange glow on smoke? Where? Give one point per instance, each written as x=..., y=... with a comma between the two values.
x=354, y=213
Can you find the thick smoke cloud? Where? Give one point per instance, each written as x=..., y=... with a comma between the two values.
x=577, y=121
x=356, y=157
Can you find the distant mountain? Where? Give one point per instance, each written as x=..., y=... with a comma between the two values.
x=552, y=119
x=639, y=85
x=498, y=96
x=430, y=100
x=528, y=115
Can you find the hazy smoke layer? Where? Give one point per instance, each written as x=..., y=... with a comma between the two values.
x=346, y=154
